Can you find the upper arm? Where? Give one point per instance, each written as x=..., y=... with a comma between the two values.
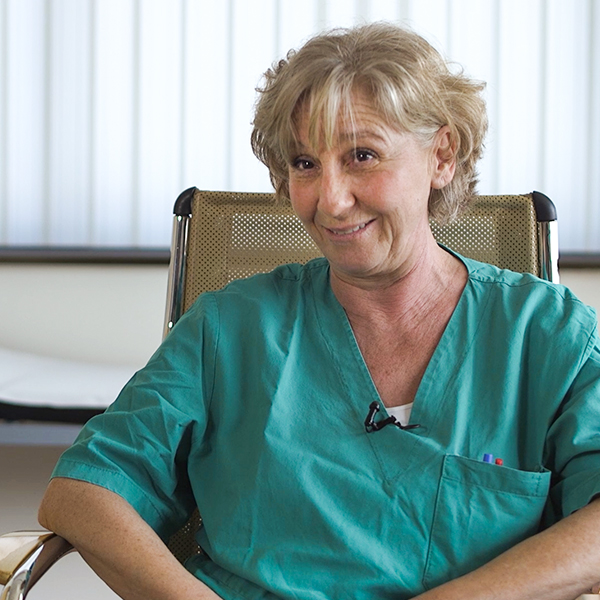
x=138, y=449
x=68, y=503
x=573, y=442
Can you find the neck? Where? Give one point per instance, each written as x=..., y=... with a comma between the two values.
x=433, y=274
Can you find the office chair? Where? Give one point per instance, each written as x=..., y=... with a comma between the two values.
x=222, y=236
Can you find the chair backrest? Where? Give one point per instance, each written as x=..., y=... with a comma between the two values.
x=222, y=236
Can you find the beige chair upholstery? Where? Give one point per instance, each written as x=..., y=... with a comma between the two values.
x=222, y=236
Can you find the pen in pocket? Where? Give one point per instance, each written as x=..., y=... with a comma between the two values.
x=489, y=458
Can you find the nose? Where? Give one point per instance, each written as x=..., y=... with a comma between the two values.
x=335, y=194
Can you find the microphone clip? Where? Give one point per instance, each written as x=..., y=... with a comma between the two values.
x=371, y=425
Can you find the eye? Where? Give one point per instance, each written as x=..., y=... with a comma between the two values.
x=362, y=155
x=302, y=164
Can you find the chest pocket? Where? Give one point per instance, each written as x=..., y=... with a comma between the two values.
x=481, y=510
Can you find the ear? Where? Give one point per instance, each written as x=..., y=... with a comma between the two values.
x=444, y=158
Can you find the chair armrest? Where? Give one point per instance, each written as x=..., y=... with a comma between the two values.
x=24, y=557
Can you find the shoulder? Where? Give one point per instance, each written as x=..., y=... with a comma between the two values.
x=283, y=283
x=250, y=318
x=526, y=289
x=540, y=317
x=277, y=293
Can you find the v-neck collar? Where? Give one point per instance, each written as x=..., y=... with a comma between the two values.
x=436, y=387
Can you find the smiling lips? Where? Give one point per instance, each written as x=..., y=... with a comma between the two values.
x=342, y=232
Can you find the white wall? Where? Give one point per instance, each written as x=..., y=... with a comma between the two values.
x=585, y=283
x=110, y=314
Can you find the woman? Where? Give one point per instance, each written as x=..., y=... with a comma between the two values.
x=254, y=408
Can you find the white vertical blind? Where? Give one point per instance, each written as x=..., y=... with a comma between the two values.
x=518, y=87
x=109, y=108
x=567, y=115
x=114, y=146
x=67, y=123
x=592, y=148
x=25, y=121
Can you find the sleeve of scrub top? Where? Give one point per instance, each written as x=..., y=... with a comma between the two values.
x=138, y=448
x=573, y=442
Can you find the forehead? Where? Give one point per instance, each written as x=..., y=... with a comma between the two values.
x=326, y=126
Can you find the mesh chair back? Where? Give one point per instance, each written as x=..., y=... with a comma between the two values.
x=500, y=230
x=183, y=544
x=235, y=235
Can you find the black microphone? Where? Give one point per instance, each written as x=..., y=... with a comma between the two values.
x=371, y=425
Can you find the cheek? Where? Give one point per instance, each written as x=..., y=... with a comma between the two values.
x=300, y=197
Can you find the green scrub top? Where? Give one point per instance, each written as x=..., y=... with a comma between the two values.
x=253, y=409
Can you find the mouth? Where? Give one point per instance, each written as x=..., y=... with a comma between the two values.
x=349, y=230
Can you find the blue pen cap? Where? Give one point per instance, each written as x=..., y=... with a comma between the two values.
x=488, y=458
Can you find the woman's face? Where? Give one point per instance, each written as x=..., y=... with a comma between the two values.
x=364, y=201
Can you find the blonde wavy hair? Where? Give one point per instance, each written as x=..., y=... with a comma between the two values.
x=409, y=84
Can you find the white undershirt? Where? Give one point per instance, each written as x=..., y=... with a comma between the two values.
x=402, y=413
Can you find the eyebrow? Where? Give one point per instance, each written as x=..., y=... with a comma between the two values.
x=361, y=133
x=348, y=135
